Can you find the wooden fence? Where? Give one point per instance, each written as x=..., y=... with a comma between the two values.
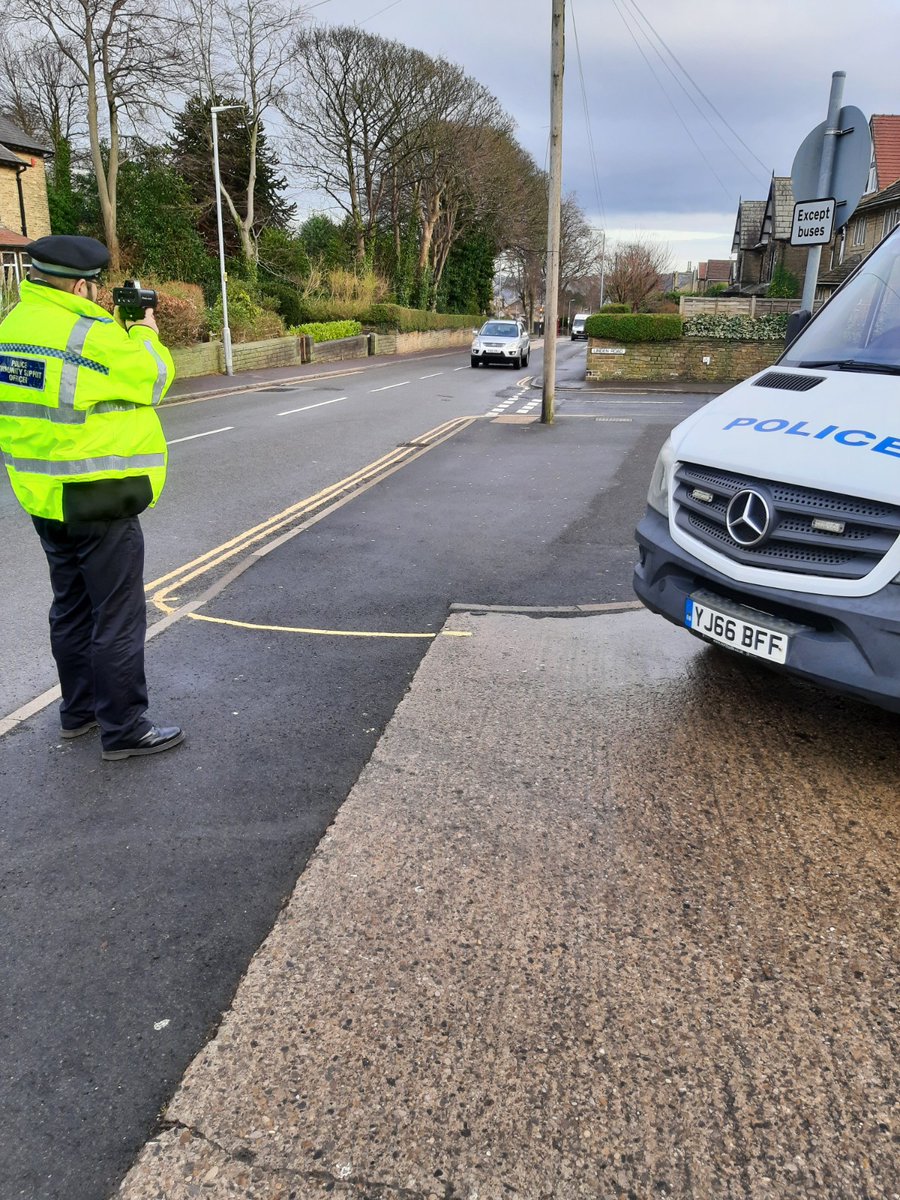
x=735, y=306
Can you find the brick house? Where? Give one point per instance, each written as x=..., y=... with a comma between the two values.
x=876, y=214
x=24, y=212
x=714, y=271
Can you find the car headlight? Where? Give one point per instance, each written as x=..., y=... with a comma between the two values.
x=658, y=492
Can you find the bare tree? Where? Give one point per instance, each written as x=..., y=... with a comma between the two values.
x=121, y=51
x=633, y=271
x=245, y=49
x=351, y=117
x=41, y=90
x=581, y=248
x=459, y=124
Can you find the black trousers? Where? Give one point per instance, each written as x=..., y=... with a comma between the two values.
x=98, y=622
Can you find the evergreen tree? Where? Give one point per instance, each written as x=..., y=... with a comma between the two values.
x=158, y=220
x=467, y=284
x=193, y=158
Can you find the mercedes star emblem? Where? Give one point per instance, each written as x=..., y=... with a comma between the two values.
x=749, y=518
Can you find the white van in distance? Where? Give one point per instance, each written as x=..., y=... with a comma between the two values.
x=578, y=331
x=773, y=515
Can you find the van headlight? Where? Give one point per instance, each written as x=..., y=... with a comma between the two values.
x=658, y=492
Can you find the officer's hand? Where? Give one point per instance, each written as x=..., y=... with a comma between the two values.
x=148, y=319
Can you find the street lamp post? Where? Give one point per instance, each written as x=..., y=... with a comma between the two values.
x=226, y=332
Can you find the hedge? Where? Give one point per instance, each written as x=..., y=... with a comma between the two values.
x=770, y=328
x=180, y=321
x=615, y=308
x=387, y=317
x=635, y=327
x=328, y=331
x=381, y=317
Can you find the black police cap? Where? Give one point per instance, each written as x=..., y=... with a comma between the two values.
x=68, y=257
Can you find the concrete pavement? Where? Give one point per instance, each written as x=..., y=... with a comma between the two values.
x=608, y=913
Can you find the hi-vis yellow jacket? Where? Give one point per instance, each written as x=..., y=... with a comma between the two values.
x=78, y=432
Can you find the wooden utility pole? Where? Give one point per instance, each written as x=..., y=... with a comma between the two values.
x=551, y=273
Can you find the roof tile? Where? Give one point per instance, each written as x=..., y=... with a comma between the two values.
x=886, y=142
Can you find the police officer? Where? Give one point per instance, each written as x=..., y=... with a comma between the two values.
x=85, y=453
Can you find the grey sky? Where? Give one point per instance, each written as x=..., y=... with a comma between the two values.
x=765, y=64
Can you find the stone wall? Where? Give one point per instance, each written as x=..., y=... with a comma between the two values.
x=336, y=351
x=34, y=192
x=432, y=339
x=208, y=358
x=192, y=361
x=383, y=343
x=273, y=352
x=689, y=360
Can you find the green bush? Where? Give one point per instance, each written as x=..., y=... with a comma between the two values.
x=771, y=328
x=287, y=300
x=386, y=317
x=328, y=331
x=615, y=308
x=248, y=319
x=634, y=327
x=783, y=284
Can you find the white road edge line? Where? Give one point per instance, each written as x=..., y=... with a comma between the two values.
x=434, y=376
x=460, y=368
x=209, y=433
x=307, y=407
x=388, y=386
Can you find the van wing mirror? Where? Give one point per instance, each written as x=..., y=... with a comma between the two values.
x=797, y=322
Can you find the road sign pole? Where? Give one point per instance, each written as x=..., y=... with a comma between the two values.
x=829, y=142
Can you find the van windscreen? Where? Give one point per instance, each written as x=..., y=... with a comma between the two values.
x=859, y=328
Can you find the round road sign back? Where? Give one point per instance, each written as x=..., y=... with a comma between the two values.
x=852, y=159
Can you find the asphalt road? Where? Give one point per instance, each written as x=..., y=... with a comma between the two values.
x=134, y=894
x=234, y=460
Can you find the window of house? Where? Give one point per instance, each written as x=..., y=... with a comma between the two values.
x=859, y=233
x=891, y=218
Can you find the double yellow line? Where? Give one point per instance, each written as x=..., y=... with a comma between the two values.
x=160, y=589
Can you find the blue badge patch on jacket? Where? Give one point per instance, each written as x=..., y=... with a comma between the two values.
x=22, y=372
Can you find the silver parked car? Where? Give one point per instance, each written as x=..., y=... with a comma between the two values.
x=503, y=341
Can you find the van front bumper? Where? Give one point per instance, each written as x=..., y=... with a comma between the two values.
x=846, y=644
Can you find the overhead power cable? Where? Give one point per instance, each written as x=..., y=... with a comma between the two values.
x=699, y=90
x=587, y=121
x=672, y=104
x=741, y=161
x=378, y=14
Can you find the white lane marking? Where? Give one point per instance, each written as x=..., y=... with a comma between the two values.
x=498, y=408
x=307, y=407
x=434, y=376
x=460, y=368
x=208, y=433
x=388, y=386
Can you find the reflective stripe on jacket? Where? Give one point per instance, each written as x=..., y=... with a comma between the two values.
x=77, y=397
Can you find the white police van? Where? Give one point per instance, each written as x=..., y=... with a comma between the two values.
x=773, y=515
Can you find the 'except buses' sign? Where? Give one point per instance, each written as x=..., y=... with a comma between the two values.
x=813, y=222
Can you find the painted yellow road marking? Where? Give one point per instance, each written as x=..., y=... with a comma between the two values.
x=301, y=506
x=356, y=633
x=336, y=494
